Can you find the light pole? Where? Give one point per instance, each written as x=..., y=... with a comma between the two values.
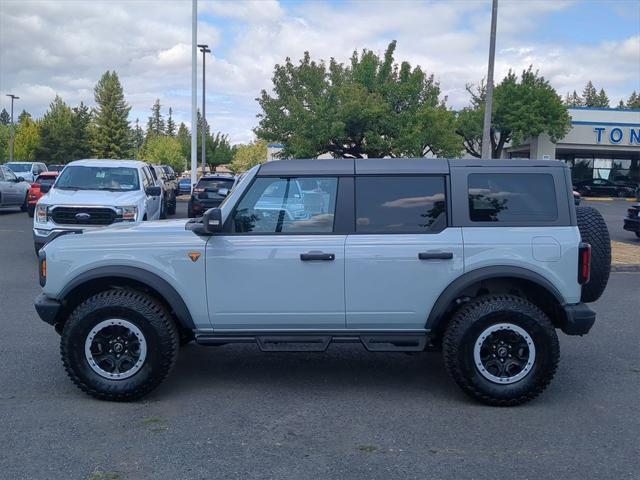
x=204, y=49
x=194, y=93
x=13, y=97
x=488, y=103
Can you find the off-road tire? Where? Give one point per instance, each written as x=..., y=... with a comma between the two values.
x=471, y=320
x=593, y=230
x=142, y=310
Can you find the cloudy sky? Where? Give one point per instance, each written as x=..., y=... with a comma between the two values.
x=63, y=46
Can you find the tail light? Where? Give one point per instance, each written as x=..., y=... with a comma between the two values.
x=584, y=263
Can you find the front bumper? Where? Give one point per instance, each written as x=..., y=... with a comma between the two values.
x=632, y=224
x=47, y=308
x=579, y=319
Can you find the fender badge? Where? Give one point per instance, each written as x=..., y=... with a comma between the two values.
x=194, y=256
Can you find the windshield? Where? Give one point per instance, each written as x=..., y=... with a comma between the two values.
x=115, y=179
x=19, y=167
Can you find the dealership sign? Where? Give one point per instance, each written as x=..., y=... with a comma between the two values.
x=617, y=135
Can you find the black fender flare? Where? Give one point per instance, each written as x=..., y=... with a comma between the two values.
x=460, y=284
x=151, y=280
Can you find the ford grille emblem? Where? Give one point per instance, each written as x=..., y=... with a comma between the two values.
x=83, y=217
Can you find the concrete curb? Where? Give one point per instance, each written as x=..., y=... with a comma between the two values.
x=625, y=268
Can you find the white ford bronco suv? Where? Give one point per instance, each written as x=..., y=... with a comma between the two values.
x=91, y=194
x=482, y=259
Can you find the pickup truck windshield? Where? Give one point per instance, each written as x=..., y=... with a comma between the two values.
x=19, y=167
x=116, y=179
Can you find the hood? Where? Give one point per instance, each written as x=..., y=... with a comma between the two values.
x=155, y=227
x=56, y=196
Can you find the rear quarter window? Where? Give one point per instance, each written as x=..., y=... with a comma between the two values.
x=512, y=197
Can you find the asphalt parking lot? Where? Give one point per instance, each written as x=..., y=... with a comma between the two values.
x=235, y=413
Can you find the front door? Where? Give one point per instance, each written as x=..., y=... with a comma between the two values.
x=280, y=267
x=10, y=190
x=402, y=255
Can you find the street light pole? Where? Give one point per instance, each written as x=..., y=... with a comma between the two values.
x=13, y=97
x=194, y=93
x=204, y=49
x=488, y=105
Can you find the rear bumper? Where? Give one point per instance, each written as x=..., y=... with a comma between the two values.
x=579, y=319
x=47, y=308
x=632, y=224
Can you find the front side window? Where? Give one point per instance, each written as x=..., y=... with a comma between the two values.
x=115, y=179
x=9, y=176
x=399, y=204
x=280, y=205
x=512, y=197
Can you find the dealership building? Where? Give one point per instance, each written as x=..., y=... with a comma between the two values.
x=602, y=143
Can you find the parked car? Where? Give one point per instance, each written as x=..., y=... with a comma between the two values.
x=168, y=206
x=632, y=220
x=91, y=194
x=42, y=185
x=184, y=186
x=209, y=192
x=55, y=168
x=601, y=187
x=393, y=261
x=27, y=170
x=171, y=176
x=13, y=189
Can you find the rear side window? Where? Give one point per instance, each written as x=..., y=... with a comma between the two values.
x=512, y=197
x=399, y=204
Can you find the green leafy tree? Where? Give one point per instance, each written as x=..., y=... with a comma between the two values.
x=5, y=118
x=27, y=140
x=220, y=151
x=155, y=124
x=184, y=138
x=5, y=132
x=371, y=107
x=247, y=156
x=522, y=107
x=137, y=139
x=111, y=132
x=603, y=99
x=590, y=95
x=81, y=126
x=171, y=125
x=573, y=100
x=634, y=100
x=56, y=133
x=164, y=150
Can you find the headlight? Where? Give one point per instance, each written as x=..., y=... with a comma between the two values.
x=128, y=214
x=41, y=213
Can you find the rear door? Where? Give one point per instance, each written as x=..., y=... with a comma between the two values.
x=402, y=255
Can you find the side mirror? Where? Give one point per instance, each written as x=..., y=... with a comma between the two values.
x=20, y=179
x=223, y=192
x=212, y=220
x=153, y=191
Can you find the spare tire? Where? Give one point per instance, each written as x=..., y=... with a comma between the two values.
x=594, y=231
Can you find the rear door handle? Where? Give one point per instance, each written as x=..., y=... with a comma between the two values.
x=435, y=255
x=310, y=256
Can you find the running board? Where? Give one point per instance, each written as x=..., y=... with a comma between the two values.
x=308, y=342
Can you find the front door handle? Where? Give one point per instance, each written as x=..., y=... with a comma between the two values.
x=435, y=255
x=310, y=256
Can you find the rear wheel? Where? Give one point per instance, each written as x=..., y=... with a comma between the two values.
x=119, y=345
x=501, y=350
x=25, y=205
x=594, y=231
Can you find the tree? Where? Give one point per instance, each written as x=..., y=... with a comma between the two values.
x=634, y=100
x=163, y=150
x=111, y=132
x=56, y=133
x=23, y=114
x=603, y=99
x=27, y=140
x=573, y=100
x=369, y=108
x=171, y=125
x=137, y=139
x=5, y=118
x=590, y=95
x=81, y=126
x=5, y=132
x=247, y=156
x=522, y=108
x=219, y=151
x=184, y=138
x=155, y=124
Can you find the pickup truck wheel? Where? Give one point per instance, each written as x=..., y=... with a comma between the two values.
x=594, y=231
x=119, y=345
x=501, y=350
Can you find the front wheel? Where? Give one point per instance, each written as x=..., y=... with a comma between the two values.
x=119, y=345
x=501, y=350
x=25, y=205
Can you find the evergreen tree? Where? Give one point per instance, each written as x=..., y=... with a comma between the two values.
x=24, y=114
x=81, y=124
x=137, y=139
x=590, y=95
x=155, y=124
x=184, y=137
x=56, y=133
x=621, y=105
x=171, y=125
x=634, y=100
x=111, y=132
x=5, y=118
x=603, y=99
x=573, y=100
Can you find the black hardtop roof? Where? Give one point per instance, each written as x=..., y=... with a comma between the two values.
x=397, y=166
x=216, y=176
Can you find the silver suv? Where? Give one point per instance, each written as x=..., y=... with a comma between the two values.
x=484, y=260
